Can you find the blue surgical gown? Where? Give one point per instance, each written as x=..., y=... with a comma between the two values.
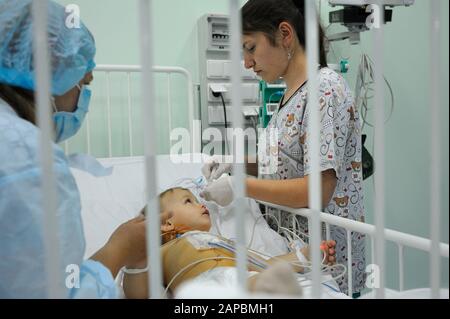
x=22, y=255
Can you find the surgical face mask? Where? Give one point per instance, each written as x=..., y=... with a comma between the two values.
x=67, y=124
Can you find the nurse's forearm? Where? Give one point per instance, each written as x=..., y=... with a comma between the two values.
x=110, y=258
x=290, y=192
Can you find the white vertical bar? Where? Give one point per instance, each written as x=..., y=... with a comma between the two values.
x=239, y=206
x=196, y=143
x=327, y=226
x=88, y=134
x=148, y=111
x=372, y=255
x=49, y=196
x=372, y=248
x=349, y=263
x=108, y=106
x=401, y=267
x=130, y=129
x=435, y=162
x=169, y=106
x=379, y=198
x=314, y=187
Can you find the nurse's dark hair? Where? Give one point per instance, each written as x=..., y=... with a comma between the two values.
x=21, y=100
x=266, y=15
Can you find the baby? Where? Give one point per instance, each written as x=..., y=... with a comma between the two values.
x=185, y=222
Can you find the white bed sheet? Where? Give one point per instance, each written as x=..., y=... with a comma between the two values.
x=223, y=284
x=108, y=201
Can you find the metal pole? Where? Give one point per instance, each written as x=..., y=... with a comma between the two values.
x=108, y=108
x=148, y=111
x=236, y=93
x=42, y=79
x=379, y=198
x=435, y=162
x=314, y=187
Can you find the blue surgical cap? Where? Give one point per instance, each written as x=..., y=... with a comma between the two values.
x=71, y=49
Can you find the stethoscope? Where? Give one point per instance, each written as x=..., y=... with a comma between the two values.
x=324, y=148
x=352, y=148
x=355, y=197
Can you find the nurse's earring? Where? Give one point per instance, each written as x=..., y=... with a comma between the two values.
x=289, y=54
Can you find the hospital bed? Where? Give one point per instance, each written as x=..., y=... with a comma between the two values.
x=110, y=197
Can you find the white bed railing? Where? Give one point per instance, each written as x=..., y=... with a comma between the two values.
x=42, y=63
x=128, y=70
x=401, y=239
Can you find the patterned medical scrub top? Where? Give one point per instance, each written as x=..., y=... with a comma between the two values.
x=340, y=150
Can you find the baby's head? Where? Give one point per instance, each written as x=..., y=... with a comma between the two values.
x=181, y=212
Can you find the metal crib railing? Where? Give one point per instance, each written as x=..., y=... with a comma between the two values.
x=128, y=70
x=401, y=239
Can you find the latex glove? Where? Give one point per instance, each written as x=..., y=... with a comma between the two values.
x=213, y=168
x=219, y=191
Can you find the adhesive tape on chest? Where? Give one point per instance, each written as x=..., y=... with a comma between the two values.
x=200, y=240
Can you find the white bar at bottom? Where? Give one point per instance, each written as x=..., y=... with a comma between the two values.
x=379, y=198
x=435, y=162
x=314, y=187
x=239, y=206
x=53, y=268
x=147, y=89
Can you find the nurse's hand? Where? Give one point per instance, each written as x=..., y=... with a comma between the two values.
x=214, y=168
x=129, y=238
x=125, y=247
x=219, y=191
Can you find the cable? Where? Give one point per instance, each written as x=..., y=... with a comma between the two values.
x=364, y=82
x=254, y=123
x=190, y=265
x=254, y=226
x=280, y=228
x=227, y=146
x=304, y=265
x=185, y=268
x=295, y=235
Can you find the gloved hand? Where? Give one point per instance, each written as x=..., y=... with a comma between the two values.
x=213, y=168
x=219, y=191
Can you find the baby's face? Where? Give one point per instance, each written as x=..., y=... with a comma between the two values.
x=184, y=212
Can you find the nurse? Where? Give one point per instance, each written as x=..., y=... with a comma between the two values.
x=274, y=47
x=22, y=257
